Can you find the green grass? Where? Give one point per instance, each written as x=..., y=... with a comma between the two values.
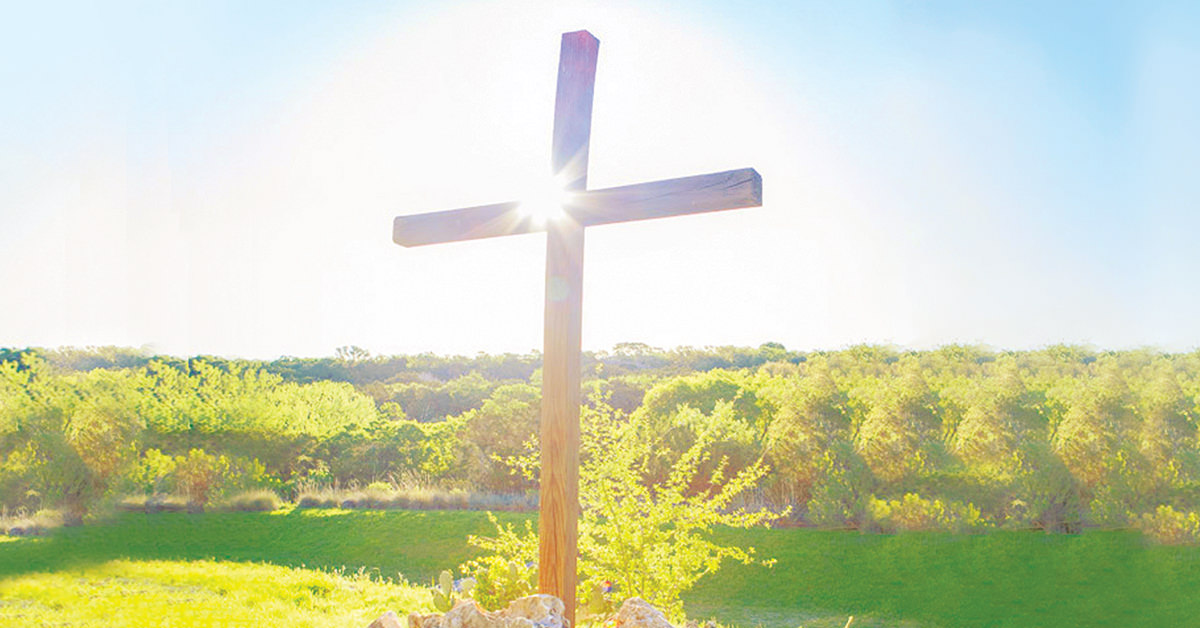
x=124, y=593
x=1009, y=579
x=413, y=544
x=931, y=580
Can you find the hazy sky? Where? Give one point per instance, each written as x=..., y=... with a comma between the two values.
x=207, y=177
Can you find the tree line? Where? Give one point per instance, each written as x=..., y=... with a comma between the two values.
x=873, y=437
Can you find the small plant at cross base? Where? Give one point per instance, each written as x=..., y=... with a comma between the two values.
x=636, y=537
x=449, y=591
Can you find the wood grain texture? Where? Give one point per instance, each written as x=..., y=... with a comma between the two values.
x=733, y=189
x=719, y=191
x=470, y=223
x=558, y=520
x=573, y=109
x=559, y=516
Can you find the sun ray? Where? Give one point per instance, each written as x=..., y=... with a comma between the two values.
x=545, y=201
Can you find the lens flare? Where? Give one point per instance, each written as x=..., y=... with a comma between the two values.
x=545, y=201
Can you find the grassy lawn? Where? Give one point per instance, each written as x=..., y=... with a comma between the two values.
x=1000, y=579
x=413, y=544
x=125, y=593
x=137, y=569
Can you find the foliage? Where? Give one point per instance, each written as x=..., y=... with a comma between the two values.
x=21, y=523
x=651, y=539
x=913, y=512
x=446, y=591
x=260, y=500
x=1058, y=438
x=381, y=496
x=841, y=490
x=1170, y=527
x=811, y=414
x=640, y=535
x=498, y=430
x=508, y=568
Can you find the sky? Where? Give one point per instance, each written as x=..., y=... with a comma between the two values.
x=220, y=177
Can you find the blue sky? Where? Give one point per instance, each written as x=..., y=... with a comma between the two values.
x=220, y=177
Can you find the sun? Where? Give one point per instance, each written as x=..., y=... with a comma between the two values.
x=545, y=201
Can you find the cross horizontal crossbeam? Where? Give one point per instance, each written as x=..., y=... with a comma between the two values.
x=733, y=189
x=559, y=485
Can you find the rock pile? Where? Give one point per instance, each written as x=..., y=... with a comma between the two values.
x=534, y=611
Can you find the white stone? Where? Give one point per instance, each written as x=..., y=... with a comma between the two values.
x=387, y=620
x=534, y=611
x=638, y=613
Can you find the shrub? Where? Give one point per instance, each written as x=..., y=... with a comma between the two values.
x=318, y=499
x=514, y=502
x=253, y=501
x=131, y=503
x=197, y=475
x=169, y=503
x=509, y=571
x=158, y=502
x=151, y=474
x=637, y=536
x=353, y=499
x=1170, y=527
x=312, y=494
x=913, y=512
x=40, y=522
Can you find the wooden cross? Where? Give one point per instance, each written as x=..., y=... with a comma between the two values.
x=581, y=208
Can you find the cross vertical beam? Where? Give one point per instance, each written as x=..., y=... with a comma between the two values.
x=733, y=189
x=558, y=521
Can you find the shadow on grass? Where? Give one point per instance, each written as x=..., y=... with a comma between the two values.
x=414, y=545
x=1002, y=579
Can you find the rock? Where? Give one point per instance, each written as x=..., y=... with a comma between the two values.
x=387, y=620
x=468, y=614
x=542, y=611
x=638, y=613
x=534, y=611
x=417, y=620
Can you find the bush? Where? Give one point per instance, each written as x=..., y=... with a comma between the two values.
x=637, y=536
x=510, y=571
x=381, y=496
x=40, y=522
x=314, y=501
x=311, y=495
x=170, y=503
x=158, y=502
x=131, y=503
x=253, y=501
x=913, y=512
x=1170, y=527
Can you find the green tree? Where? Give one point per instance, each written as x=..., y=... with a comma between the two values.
x=810, y=412
x=497, y=431
x=900, y=435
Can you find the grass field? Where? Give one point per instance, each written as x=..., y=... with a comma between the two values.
x=198, y=593
x=342, y=568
